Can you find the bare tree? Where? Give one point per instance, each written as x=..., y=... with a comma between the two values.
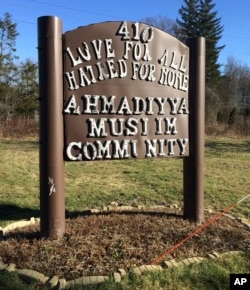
x=8, y=34
x=234, y=107
x=166, y=24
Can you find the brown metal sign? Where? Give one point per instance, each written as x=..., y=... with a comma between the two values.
x=127, y=89
x=125, y=92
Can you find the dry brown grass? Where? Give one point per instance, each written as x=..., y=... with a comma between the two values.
x=100, y=244
x=19, y=127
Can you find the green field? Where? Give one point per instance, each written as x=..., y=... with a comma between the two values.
x=129, y=182
x=134, y=182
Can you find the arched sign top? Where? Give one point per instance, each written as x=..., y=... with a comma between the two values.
x=125, y=92
x=109, y=46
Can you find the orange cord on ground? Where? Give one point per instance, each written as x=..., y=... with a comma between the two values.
x=217, y=216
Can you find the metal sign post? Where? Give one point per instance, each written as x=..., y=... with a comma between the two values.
x=52, y=205
x=194, y=163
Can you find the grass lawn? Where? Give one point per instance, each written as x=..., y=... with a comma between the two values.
x=130, y=182
x=134, y=182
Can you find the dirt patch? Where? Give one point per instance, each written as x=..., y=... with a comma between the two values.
x=99, y=244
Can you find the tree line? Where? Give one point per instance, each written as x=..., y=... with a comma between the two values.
x=227, y=90
x=18, y=80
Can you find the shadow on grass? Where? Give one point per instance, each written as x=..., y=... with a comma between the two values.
x=15, y=213
x=11, y=212
x=11, y=281
x=219, y=147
